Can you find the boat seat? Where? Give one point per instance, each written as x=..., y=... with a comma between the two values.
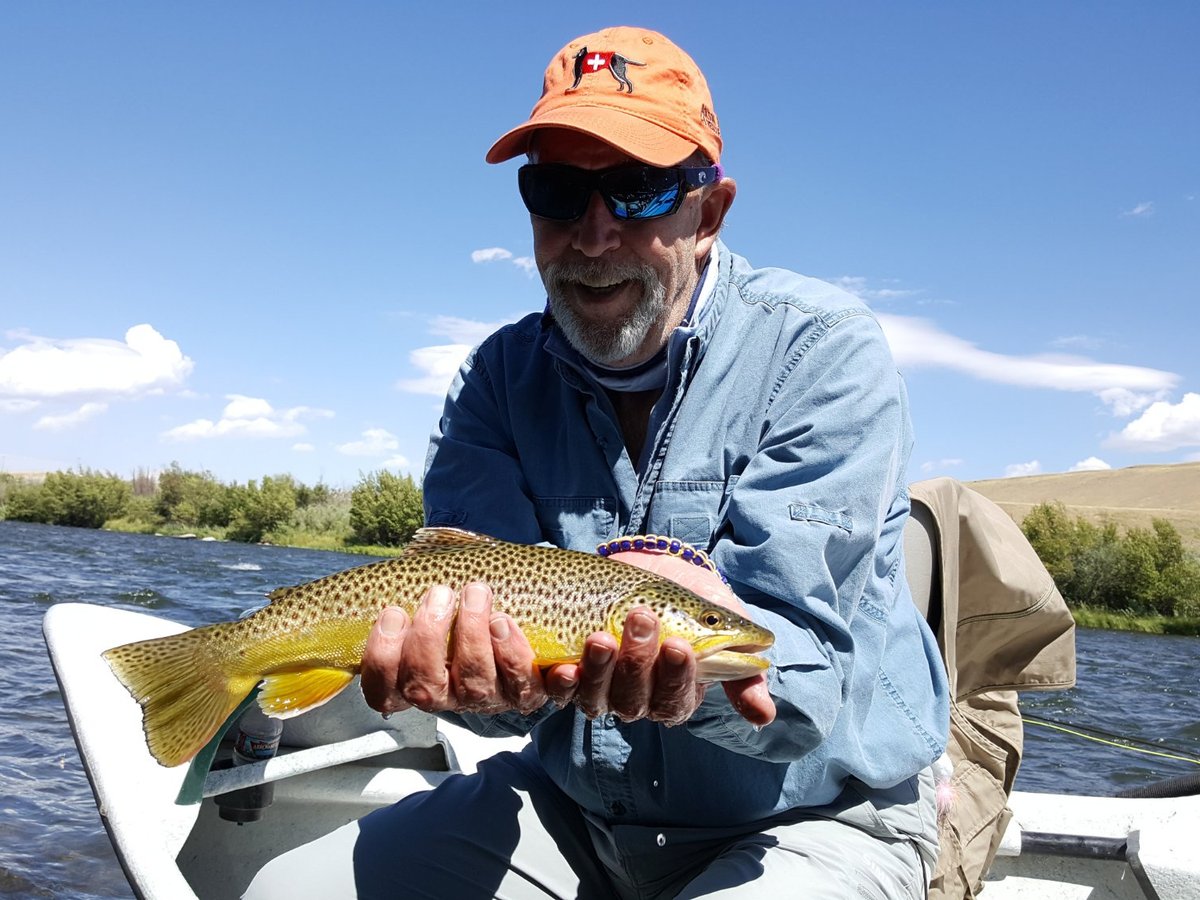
x=922, y=560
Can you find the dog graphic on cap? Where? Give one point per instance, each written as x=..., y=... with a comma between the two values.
x=586, y=64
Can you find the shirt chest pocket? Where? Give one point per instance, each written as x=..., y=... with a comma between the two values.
x=687, y=510
x=575, y=523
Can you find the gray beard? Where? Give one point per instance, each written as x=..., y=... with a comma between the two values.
x=608, y=342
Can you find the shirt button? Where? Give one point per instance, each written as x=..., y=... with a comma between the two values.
x=617, y=809
x=661, y=840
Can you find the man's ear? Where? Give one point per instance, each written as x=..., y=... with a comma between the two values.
x=714, y=204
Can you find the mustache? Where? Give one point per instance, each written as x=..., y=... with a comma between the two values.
x=557, y=276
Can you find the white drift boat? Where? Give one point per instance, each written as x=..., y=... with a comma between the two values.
x=341, y=761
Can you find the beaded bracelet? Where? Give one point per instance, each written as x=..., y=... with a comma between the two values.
x=652, y=543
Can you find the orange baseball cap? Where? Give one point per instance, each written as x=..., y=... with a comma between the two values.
x=629, y=87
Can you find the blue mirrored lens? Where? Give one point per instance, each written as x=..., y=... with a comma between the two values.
x=644, y=206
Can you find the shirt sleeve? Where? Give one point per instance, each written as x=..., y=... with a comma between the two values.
x=811, y=534
x=473, y=477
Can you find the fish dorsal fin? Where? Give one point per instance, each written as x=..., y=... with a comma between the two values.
x=433, y=540
x=280, y=592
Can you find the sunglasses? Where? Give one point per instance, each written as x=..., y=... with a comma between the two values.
x=562, y=193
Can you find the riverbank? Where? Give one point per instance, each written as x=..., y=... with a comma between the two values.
x=334, y=542
x=1086, y=617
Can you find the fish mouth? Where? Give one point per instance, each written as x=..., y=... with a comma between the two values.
x=750, y=647
x=729, y=665
x=721, y=660
x=723, y=644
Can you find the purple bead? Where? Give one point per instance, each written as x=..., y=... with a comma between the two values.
x=602, y=550
x=675, y=545
x=639, y=544
x=626, y=545
x=662, y=544
x=688, y=553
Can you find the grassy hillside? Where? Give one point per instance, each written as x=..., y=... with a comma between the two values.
x=1129, y=497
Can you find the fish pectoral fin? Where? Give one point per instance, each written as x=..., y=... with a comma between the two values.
x=287, y=694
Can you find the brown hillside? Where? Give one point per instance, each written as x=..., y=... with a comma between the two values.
x=1129, y=497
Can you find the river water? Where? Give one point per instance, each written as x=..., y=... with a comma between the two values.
x=52, y=843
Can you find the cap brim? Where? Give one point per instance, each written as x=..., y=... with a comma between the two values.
x=644, y=141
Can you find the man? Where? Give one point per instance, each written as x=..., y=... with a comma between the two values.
x=669, y=388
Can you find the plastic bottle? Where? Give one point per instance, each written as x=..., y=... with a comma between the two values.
x=258, y=736
x=257, y=739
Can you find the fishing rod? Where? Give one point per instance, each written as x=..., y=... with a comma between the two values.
x=1179, y=786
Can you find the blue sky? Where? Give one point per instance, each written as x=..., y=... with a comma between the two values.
x=257, y=238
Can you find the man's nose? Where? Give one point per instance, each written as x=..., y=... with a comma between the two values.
x=597, y=231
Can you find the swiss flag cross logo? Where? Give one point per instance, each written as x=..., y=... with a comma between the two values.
x=594, y=62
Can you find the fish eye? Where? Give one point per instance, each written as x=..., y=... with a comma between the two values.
x=712, y=619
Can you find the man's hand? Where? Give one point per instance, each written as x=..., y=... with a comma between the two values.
x=639, y=679
x=479, y=662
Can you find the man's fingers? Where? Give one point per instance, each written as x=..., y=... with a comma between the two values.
x=676, y=694
x=595, y=674
x=424, y=680
x=633, y=673
x=562, y=682
x=751, y=699
x=519, y=679
x=381, y=661
x=473, y=668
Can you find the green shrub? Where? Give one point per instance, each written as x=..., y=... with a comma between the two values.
x=84, y=499
x=1145, y=571
x=195, y=499
x=385, y=509
x=257, y=510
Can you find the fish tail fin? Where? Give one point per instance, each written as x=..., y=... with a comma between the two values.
x=184, y=693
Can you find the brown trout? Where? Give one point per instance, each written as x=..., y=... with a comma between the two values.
x=307, y=644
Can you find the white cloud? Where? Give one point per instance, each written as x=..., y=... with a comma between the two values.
x=71, y=419
x=439, y=364
x=857, y=285
x=1140, y=211
x=1163, y=426
x=1020, y=470
x=497, y=254
x=398, y=461
x=17, y=405
x=940, y=465
x=464, y=331
x=1124, y=403
x=250, y=417
x=918, y=343
x=1091, y=464
x=490, y=254
x=303, y=447
x=1077, y=342
x=45, y=367
x=374, y=442
x=240, y=407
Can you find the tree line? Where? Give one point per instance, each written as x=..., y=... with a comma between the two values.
x=1136, y=571
x=383, y=509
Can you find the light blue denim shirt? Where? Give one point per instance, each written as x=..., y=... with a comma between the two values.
x=780, y=445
